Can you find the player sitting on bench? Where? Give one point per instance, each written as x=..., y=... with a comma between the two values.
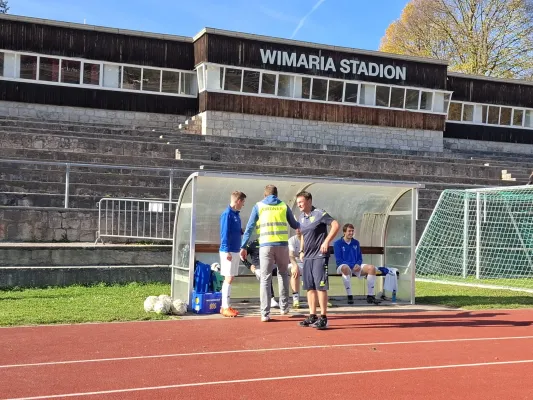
x=350, y=262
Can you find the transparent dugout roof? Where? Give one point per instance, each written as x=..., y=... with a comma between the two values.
x=345, y=200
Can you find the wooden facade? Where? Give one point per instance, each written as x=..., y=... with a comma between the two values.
x=244, y=52
x=338, y=113
x=467, y=88
x=488, y=133
x=95, y=45
x=96, y=98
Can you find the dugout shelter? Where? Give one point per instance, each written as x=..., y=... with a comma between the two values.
x=383, y=213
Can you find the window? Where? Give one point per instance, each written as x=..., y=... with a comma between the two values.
x=268, y=84
x=335, y=91
x=302, y=88
x=170, y=82
x=232, y=79
x=505, y=115
x=368, y=95
x=151, y=79
x=528, y=119
x=396, y=97
x=91, y=74
x=49, y=69
x=131, y=78
x=411, y=99
x=188, y=83
x=70, y=71
x=494, y=115
x=351, y=92
x=455, y=111
x=200, y=78
x=447, y=97
x=1, y=64
x=382, y=96
x=214, y=75
x=286, y=85
x=484, y=114
x=518, y=116
x=250, y=83
x=426, y=100
x=320, y=87
x=111, y=75
x=468, y=112
x=28, y=67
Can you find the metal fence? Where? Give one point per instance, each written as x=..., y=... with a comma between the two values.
x=135, y=219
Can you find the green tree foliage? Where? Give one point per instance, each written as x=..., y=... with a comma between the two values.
x=484, y=37
x=3, y=7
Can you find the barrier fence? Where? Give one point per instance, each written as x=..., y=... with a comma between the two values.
x=135, y=219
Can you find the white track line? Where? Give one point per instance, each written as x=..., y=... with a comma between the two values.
x=262, y=350
x=274, y=378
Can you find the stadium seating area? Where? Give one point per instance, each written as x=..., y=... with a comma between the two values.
x=32, y=194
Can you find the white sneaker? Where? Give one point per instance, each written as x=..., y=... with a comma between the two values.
x=273, y=303
x=265, y=319
x=284, y=312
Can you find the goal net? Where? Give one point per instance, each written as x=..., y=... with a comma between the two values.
x=480, y=236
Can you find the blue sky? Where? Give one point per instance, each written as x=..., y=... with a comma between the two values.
x=350, y=23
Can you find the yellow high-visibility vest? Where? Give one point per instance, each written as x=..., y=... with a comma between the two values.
x=271, y=226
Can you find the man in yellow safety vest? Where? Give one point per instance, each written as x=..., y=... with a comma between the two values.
x=270, y=218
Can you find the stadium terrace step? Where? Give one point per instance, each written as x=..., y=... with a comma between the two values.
x=23, y=199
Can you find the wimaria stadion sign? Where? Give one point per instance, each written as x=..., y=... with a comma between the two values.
x=326, y=64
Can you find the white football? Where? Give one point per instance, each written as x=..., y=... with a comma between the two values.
x=215, y=267
x=162, y=306
x=149, y=303
x=178, y=307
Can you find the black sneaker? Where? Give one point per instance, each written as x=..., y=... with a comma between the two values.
x=309, y=321
x=322, y=323
x=372, y=300
x=350, y=299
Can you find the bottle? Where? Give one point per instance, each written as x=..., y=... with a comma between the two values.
x=394, y=296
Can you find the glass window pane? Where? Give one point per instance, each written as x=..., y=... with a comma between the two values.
x=396, y=97
x=91, y=74
x=484, y=114
x=382, y=96
x=518, y=115
x=214, y=75
x=250, y=83
x=528, y=119
x=350, y=93
x=28, y=67
x=447, y=97
x=170, y=82
x=268, y=84
x=335, y=91
x=494, y=115
x=425, y=100
x=49, y=69
x=70, y=71
x=368, y=93
x=188, y=83
x=111, y=75
x=303, y=88
x=131, y=78
x=151, y=79
x=468, y=112
x=200, y=78
x=232, y=79
x=320, y=86
x=411, y=99
x=1, y=64
x=505, y=116
x=454, y=114
x=285, y=85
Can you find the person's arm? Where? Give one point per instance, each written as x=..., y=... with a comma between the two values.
x=292, y=254
x=337, y=250
x=292, y=221
x=324, y=248
x=254, y=216
x=224, y=228
x=358, y=255
x=301, y=255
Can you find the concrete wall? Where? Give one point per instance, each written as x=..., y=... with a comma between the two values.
x=88, y=115
x=218, y=123
x=492, y=147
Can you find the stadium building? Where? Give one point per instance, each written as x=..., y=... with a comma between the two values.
x=245, y=85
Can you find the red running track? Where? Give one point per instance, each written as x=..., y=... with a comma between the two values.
x=430, y=355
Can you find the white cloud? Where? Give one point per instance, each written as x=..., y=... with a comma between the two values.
x=302, y=21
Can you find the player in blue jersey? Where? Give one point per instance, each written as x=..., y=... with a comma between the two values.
x=350, y=262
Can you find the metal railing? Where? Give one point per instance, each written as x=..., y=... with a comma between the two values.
x=135, y=219
x=68, y=169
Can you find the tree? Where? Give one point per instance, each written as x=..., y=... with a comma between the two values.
x=484, y=37
x=3, y=7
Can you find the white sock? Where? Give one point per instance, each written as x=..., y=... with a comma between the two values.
x=296, y=297
x=226, y=291
x=347, y=280
x=370, y=280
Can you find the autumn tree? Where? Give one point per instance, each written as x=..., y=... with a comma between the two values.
x=485, y=37
x=3, y=7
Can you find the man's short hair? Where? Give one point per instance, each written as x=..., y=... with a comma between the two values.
x=305, y=195
x=271, y=190
x=346, y=227
x=236, y=195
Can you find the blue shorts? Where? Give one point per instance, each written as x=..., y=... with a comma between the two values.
x=315, y=276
